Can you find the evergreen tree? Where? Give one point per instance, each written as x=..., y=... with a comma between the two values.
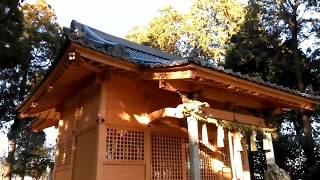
x=272, y=45
x=37, y=49
x=202, y=32
x=31, y=156
x=11, y=28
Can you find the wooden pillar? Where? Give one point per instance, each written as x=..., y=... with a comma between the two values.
x=147, y=153
x=237, y=148
x=74, y=139
x=233, y=168
x=246, y=168
x=194, y=155
x=101, y=80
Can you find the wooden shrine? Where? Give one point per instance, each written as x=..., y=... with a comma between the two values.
x=126, y=111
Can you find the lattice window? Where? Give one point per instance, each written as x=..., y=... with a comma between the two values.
x=206, y=163
x=64, y=152
x=166, y=157
x=207, y=157
x=186, y=149
x=124, y=144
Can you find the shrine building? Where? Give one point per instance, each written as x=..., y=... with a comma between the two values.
x=126, y=111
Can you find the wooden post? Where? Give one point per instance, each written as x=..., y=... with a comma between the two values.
x=74, y=144
x=194, y=148
x=147, y=153
x=237, y=146
x=246, y=168
x=101, y=128
x=233, y=168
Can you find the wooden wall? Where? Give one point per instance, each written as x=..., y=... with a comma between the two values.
x=78, y=129
x=115, y=146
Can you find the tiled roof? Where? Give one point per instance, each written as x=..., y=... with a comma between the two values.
x=150, y=58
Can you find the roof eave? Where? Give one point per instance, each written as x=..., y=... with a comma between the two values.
x=197, y=73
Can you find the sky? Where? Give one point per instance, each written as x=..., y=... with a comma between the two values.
x=116, y=17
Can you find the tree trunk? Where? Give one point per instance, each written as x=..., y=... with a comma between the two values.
x=308, y=142
x=294, y=28
x=10, y=159
x=25, y=155
x=305, y=139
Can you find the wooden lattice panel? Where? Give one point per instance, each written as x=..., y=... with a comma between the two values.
x=124, y=144
x=186, y=149
x=166, y=157
x=64, y=151
x=206, y=163
x=207, y=156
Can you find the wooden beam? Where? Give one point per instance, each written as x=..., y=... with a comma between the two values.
x=172, y=75
x=194, y=156
x=161, y=113
x=236, y=117
x=45, y=119
x=175, y=86
x=213, y=93
x=208, y=112
x=237, y=99
x=90, y=66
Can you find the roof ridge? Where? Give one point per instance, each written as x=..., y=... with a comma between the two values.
x=108, y=38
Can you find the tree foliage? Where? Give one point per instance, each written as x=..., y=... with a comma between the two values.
x=11, y=28
x=42, y=34
x=276, y=43
x=37, y=48
x=202, y=32
x=32, y=158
